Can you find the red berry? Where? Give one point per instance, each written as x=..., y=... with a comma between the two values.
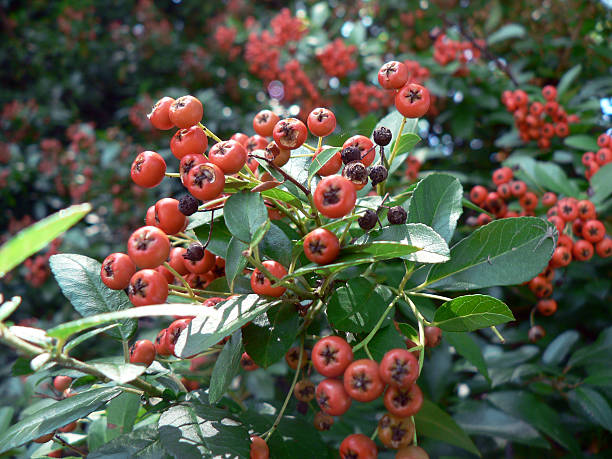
x=593, y=231
x=568, y=210
x=331, y=355
x=186, y=111
x=358, y=446
x=247, y=363
x=362, y=380
x=565, y=241
x=504, y=191
x=603, y=156
x=290, y=133
x=279, y=156
x=148, y=169
x=205, y=181
x=148, y=247
x=159, y=116
x=502, y=175
x=393, y=75
x=229, y=155
x=174, y=331
x=395, y=432
x=146, y=287
x=478, y=194
x=366, y=148
x=558, y=222
x=403, y=402
x=321, y=122
x=161, y=343
x=399, y=368
x=433, y=336
x=256, y=142
x=549, y=199
x=61, y=383
x=117, y=270
x=292, y=357
x=518, y=188
x=259, y=448
x=170, y=219
x=549, y=92
x=604, y=247
x=582, y=250
x=201, y=266
x=321, y=246
x=262, y=285
x=241, y=138
x=332, y=397
x=541, y=287
x=142, y=351
x=561, y=257
x=604, y=141
x=335, y=196
x=45, y=438
x=547, y=307
x=264, y=122
x=411, y=452
x=412, y=101
x=188, y=162
x=192, y=141
x=586, y=210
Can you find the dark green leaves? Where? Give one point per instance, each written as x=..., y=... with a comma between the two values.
x=407, y=143
x=267, y=340
x=581, y=142
x=226, y=367
x=568, y=79
x=467, y=347
x=235, y=262
x=539, y=174
x=142, y=443
x=434, y=423
x=601, y=183
x=506, y=32
x=471, y=312
x=560, y=347
x=214, y=324
x=55, y=416
x=592, y=405
x=357, y=306
x=35, y=237
x=436, y=202
x=504, y=252
x=319, y=161
x=79, y=278
x=244, y=214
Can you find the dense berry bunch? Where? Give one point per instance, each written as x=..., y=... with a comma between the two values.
x=447, y=50
x=541, y=119
x=337, y=58
x=594, y=160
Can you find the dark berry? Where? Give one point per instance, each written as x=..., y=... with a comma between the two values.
x=378, y=174
x=195, y=252
x=397, y=215
x=368, y=220
x=350, y=154
x=356, y=172
x=382, y=136
x=188, y=205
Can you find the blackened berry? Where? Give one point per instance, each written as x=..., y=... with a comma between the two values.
x=188, y=205
x=368, y=220
x=382, y=136
x=195, y=252
x=356, y=172
x=378, y=174
x=397, y=215
x=350, y=154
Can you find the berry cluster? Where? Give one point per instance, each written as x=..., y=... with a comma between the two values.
x=337, y=58
x=593, y=161
x=368, y=98
x=411, y=99
x=538, y=120
x=447, y=50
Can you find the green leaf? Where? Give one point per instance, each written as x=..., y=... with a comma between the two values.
x=85, y=336
x=506, y=32
x=6, y=415
x=434, y=423
x=581, y=142
x=478, y=418
x=79, y=278
x=436, y=202
x=407, y=143
x=35, y=237
x=567, y=80
x=214, y=324
x=142, y=444
x=319, y=161
x=527, y=407
x=471, y=312
x=467, y=347
x=55, y=416
x=196, y=429
x=384, y=340
x=226, y=367
x=504, y=252
x=97, y=434
x=597, y=353
x=593, y=405
x=123, y=410
x=244, y=213
x=357, y=306
x=270, y=338
x=235, y=262
x=601, y=378
x=560, y=347
x=319, y=14
x=219, y=239
x=431, y=248
x=121, y=373
x=543, y=175
x=601, y=183
x=276, y=245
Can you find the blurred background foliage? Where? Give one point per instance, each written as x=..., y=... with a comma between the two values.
x=78, y=78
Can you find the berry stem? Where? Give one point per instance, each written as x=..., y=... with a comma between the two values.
x=284, y=174
x=181, y=278
x=209, y=133
x=320, y=143
x=310, y=147
x=126, y=351
x=65, y=444
x=278, y=282
x=498, y=334
x=346, y=230
x=396, y=144
x=172, y=174
x=278, y=419
x=421, y=321
x=429, y=295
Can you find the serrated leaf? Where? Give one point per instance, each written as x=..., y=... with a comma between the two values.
x=504, y=252
x=467, y=347
x=471, y=312
x=527, y=407
x=79, y=279
x=436, y=202
x=320, y=160
x=38, y=235
x=226, y=367
x=214, y=324
x=357, y=306
x=268, y=341
x=244, y=213
x=434, y=423
x=55, y=416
